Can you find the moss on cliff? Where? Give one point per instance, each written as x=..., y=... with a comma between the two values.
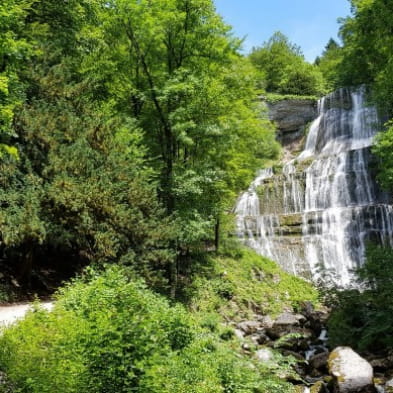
x=244, y=283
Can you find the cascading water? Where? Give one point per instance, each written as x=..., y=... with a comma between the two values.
x=317, y=215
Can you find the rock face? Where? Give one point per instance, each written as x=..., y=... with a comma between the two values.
x=291, y=117
x=352, y=373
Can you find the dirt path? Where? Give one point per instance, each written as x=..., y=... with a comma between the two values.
x=9, y=314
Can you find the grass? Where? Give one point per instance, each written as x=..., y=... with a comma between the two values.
x=273, y=98
x=245, y=284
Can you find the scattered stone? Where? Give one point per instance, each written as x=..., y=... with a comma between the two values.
x=296, y=355
x=319, y=387
x=389, y=386
x=276, y=278
x=286, y=323
x=267, y=321
x=264, y=355
x=287, y=318
x=246, y=347
x=381, y=364
x=319, y=361
x=239, y=334
x=352, y=373
x=260, y=337
x=248, y=327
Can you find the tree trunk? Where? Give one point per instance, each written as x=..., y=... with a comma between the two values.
x=217, y=234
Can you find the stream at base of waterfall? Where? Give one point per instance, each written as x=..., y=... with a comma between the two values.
x=315, y=216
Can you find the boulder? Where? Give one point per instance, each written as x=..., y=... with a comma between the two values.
x=246, y=347
x=264, y=355
x=261, y=337
x=266, y=321
x=248, y=327
x=286, y=323
x=319, y=361
x=352, y=373
x=319, y=387
x=288, y=318
x=389, y=386
x=381, y=364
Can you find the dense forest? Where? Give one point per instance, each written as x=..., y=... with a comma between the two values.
x=128, y=128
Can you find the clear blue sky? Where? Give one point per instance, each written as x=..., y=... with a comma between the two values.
x=307, y=23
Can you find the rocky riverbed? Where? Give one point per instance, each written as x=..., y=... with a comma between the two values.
x=317, y=369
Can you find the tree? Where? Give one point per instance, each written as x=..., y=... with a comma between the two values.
x=281, y=64
x=174, y=66
x=329, y=63
x=367, y=50
x=14, y=49
x=166, y=74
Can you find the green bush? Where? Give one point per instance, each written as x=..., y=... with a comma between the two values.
x=108, y=333
x=371, y=327
x=101, y=337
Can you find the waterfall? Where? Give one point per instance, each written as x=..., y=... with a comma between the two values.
x=316, y=216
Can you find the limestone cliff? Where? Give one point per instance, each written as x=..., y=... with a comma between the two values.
x=291, y=117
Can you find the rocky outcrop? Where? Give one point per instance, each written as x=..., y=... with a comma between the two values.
x=291, y=117
x=302, y=336
x=352, y=373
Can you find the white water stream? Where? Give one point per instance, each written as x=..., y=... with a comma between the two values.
x=340, y=205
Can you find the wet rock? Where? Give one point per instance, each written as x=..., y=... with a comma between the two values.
x=319, y=361
x=381, y=364
x=316, y=320
x=389, y=386
x=352, y=373
x=296, y=355
x=248, y=327
x=318, y=387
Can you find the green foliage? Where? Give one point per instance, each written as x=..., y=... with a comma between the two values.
x=243, y=283
x=383, y=150
x=94, y=196
x=14, y=49
x=282, y=66
x=367, y=49
x=274, y=97
x=370, y=328
x=124, y=108
x=110, y=333
x=329, y=64
x=174, y=66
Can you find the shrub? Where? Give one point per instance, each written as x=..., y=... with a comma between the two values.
x=108, y=333
x=371, y=327
x=101, y=337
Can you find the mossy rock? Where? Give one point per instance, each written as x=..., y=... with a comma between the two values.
x=298, y=389
x=291, y=220
x=319, y=387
